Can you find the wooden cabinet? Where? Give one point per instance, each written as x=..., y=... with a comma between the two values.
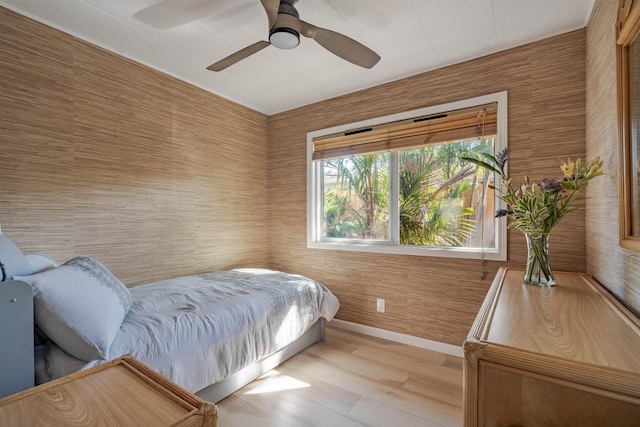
x=122, y=392
x=562, y=356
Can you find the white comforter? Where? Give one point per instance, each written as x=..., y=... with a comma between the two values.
x=198, y=329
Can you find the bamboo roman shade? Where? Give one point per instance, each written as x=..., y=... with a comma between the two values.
x=412, y=133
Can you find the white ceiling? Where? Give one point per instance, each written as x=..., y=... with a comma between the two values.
x=411, y=36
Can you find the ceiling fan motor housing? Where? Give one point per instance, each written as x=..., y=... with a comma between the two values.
x=283, y=37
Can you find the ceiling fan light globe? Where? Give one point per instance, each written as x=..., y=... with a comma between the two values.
x=284, y=38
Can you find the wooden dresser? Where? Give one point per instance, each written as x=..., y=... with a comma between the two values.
x=122, y=392
x=562, y=356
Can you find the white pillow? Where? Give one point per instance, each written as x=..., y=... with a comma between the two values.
x=12, y=260
x=40, y=262
x=80, y=306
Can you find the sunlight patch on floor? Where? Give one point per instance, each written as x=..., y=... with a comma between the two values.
x=274, y=381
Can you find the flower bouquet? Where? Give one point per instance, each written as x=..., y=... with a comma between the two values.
x=535, y=208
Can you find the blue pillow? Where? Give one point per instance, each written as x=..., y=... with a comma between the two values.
x=80, y=306
x=12, y=260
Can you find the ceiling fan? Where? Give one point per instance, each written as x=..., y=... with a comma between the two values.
x=285, y=28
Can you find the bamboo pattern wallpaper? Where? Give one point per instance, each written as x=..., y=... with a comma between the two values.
x=156, y=178
x=104, y=157
x=618, y=269
x=436, y=298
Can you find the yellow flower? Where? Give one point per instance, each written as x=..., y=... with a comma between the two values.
x=568, y=168
x=595, y=168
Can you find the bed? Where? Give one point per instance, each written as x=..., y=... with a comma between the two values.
x=211, y=333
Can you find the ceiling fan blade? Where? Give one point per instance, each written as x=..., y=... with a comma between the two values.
x=271, y=7
x=336, y=43
x=346, y=48
x=238, y=56
x=173, y=13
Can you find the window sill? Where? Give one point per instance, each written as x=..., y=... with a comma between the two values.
x=442, y=252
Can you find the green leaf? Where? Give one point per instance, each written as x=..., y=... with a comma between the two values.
x=481, y=164
x=492, y=159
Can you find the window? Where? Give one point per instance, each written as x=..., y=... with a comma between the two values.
x=396, y=184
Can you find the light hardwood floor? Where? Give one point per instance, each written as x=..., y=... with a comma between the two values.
x=352, y=380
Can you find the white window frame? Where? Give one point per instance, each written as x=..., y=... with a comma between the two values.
x=315, y=238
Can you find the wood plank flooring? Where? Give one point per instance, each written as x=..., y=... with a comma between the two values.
x=352, y=380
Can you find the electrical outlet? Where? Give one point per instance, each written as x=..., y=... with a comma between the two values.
x=380, y=305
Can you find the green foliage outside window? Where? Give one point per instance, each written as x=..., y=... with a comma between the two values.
x=441, y=198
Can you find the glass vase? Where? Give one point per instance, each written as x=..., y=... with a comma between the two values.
x=538, y=272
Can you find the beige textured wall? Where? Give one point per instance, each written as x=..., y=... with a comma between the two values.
x=613, y=266
x=436, y=298
x=102, y=156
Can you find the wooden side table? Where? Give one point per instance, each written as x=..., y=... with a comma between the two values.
x=120, y=392
x=562, y=356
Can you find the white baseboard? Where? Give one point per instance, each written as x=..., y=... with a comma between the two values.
x=398, y=337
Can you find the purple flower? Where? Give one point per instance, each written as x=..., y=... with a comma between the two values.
x=503, y=212
x=501, y=157
x=550, y=184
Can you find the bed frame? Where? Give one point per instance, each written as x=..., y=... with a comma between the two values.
x=218, y=391
x=17, y=367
